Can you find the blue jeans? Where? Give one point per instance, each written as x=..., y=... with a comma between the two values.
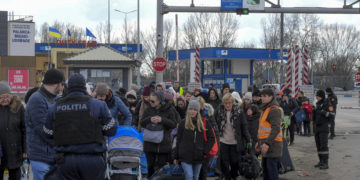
x=270, y=168
x=39, y=169
x=191, y=171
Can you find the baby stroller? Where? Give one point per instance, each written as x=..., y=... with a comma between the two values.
x=123, y=155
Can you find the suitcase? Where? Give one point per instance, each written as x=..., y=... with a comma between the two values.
x=249, y=165
x=285, y=164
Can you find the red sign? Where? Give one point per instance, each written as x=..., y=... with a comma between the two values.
x=159, y=64
x=357, y=77
x=18, y=80
x=72, y=42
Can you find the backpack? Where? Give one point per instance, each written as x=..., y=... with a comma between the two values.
x=300, y=116
x=215, y=148
x=249, y=165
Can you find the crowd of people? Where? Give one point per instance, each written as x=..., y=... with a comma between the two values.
x=64, y=124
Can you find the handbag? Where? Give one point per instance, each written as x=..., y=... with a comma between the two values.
x=154, y=133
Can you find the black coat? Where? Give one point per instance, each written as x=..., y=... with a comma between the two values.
x=253, y=123
x=190, y=144
x=168, y=121
x=12, y=133
x=290, y=106
x=239, y=124
x=322, y=114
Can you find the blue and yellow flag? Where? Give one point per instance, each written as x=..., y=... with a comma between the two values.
x=54, y=33
x=69, y=34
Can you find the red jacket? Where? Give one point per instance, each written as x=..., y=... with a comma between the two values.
x=308, y=108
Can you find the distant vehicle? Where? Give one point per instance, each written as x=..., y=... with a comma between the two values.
x=357, y=85
x=276, y=86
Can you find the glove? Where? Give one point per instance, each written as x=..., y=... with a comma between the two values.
x=249, y=145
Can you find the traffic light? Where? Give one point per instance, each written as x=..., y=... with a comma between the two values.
x=242, y=11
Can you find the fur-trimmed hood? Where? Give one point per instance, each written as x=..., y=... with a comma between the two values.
x=15, y=104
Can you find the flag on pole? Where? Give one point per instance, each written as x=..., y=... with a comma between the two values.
x=54, y=33
x=69, y=34
x=88, y=33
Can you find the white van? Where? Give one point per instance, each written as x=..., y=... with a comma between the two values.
x=276, y=86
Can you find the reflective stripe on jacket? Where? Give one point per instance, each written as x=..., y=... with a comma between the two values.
x=265, y=127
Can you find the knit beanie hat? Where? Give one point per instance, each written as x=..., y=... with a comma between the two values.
x=146, y=91
x=194, y=104
x=76, y=81
x=248, y=95
x=53, y=76
x=321, y=94
x=4, y=88
x=131, y=94
x=328, y=90
x=101, y=89
x=160, y=96
x=168, y=95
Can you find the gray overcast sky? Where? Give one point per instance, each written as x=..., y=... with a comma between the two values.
x=88, y=13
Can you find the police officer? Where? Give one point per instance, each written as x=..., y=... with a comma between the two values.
x=333, y=100
x=323, y=112
x=78, y=123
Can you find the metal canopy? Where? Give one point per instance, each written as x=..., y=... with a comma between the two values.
x=229, y=53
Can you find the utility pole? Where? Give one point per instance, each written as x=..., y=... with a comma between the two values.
x=138, y=78
x=282, y=77
x=126, y=33
x=159, y=36
x=109, y=22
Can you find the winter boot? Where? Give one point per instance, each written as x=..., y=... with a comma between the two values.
x=320, y=162
x=325, y=161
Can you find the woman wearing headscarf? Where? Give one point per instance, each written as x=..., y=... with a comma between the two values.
x=234, y=135
x=158, y=115
x=141, y=106
x=213, y=98
x=12, y=132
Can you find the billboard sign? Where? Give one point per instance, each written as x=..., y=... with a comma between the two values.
x=18, y=80
x=21, y=40
x=254, y=4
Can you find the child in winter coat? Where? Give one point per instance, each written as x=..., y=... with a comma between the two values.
x=308, y=111
x=191, y=146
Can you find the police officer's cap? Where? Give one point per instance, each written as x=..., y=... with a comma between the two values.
x=321, y=94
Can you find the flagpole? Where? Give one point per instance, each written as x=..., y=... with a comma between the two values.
x=49, y=61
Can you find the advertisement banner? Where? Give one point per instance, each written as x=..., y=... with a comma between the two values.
x=254, y=4
x=21, y=39
x=18, y=80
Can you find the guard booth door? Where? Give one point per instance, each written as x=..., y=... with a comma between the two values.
x=238, y=85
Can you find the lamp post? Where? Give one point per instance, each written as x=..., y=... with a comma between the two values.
x=126, y=33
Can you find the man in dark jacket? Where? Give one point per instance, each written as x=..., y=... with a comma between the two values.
x=12, y=133
x=256, y=98
x=213, y=99
x=40, y=150
x=270, y=135
x=290, y=107
x=119, y=111
x=323, y=112
x=334, y=101
x=78, y=123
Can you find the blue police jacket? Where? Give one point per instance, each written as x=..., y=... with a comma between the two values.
x=98, y=110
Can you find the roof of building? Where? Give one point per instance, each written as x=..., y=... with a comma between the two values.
x=99, y=54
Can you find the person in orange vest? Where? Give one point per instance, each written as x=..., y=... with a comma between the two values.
x=270, y=135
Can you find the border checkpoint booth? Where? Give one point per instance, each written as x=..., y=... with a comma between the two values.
x=234, y=66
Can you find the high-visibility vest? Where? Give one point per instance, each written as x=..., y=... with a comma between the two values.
x=265, y=127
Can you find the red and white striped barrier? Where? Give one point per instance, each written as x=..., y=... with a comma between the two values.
x=349, y=107
x=197, y=65
x=288, y=72
x=297, y=67
x=306, y=65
